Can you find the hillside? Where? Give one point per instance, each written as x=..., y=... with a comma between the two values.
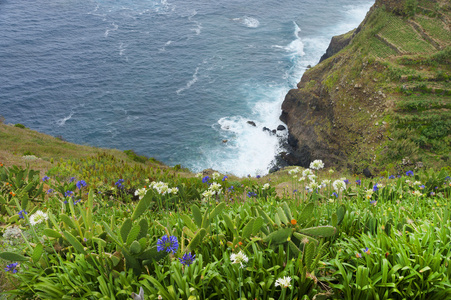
x=381, y=95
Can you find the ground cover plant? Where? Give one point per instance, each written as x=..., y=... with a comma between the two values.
x=81, y=233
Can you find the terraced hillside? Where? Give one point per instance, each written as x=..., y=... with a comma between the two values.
x=384, y=100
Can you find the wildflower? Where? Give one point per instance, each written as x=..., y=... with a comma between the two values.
x=76, y=202
x=140, y=193
x=251, y=194
x=45, y=178
x=302, y=179
x=258, y=176
x=294, y=171
x=367, y=251
x=187, y=259
x=12, y=268
x=216, y=188
x=358, y=182
x=174, y=190
x=317, y=164
x=38, y=217
x=335, y=194
x=391, y=177
x=346, y=181
x=339, y=185
x=283, y=282
x=72, y=179
x=358, y=255
x=422, y=186
x=294, y=222
x=432, y=194
x=325, y=182
x=375, y=188
x=239, y=258
x=205, y=179
x=168, y=244
x=68, y=193
x=266, y=186
x=417, y=183
x=216, y=175
x=199, y=175
x=374, y=202
x=49, y=191
x=331, y=171
x=417, y=193
x=312, y=177
x=369, y=194
x=225, y=178
x=81, y=184
x=208, y=194
x=307, y=172
x=119, y=183
x=409, y=173
x=21, y=214
x=160, y=297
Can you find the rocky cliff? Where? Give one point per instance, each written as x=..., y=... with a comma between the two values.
x=365, y=102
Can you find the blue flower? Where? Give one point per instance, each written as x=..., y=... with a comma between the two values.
x=76, y=202
x=374, y=202
x=258, y=176
x=45, y=178
x=21, y=214
x=72, y=179
x=358, y=182
x=187, y=259
x=225, y=178
x=49, y=191
x=205, y=179
x=391, y=177
x=168, y=244
x=251, y=194
x=119, y=183
x=375, y=188
x=422, y=186
x=409, y=173
x=68, y=193
x=231, y=188
x=295, y=191
x=81, y=184
x=335, y=194
x=12, y=268
x=346, y=181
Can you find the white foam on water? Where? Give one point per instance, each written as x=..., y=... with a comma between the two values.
x=107, y=31
x=248, y=21
x=189, y=83
x=62, y=121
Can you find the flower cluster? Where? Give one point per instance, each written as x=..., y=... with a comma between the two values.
x=80, y=184
x=119, y=183
x=12, y=268
x=317, y=164
x=239, y=258
x=339, y=185
x=168, y=244
x=214, y=189
x=38, y=217
x=283, y=282
x=187, y=259
x=22, y=213
x=163, y=188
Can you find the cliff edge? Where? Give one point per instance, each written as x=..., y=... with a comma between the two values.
x=381, y=94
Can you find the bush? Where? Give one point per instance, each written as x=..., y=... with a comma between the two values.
x=18, y=125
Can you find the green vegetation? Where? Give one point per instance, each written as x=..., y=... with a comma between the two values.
x=78, y=234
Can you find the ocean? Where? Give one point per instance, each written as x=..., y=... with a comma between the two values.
x=171, y=79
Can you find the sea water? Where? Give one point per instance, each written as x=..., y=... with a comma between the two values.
x=173, y=79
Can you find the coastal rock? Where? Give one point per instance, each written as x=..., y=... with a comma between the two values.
x=281, y=127
x=336, y=44
x=251, y=123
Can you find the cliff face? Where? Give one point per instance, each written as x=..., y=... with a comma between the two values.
x=349, y=109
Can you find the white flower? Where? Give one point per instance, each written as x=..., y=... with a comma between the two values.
x=307, y=172
x=174, y=190
x=417, y=183
x=216, y=175
x=239, y=258
x=331, y=171
x=313, y=186
x=199, y=175
x=266, y=186
x=207, y=194
x=294, y=171
x=141, y=193
x=417, y=193
x=283, y=282
x=216, y=188
x=38, y=217
x=302, y=179
x=369, y=193
x=312, y=177
x=317, y=164
x=325, y=182
x=339, y=185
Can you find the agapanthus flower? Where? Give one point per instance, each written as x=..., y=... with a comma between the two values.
x=49, y=191
x=375, y=188
x=22, y=213
x=294, y=171
x=409, y=173
x=38, y=217
x=80, y=184
x=391, y=177
x=258, y=176
x=216, y=175
x=141, y=193
x=72, y=179
x=45, y=178
x=239, y=258
x=174, y=190
x=266, y=186
x=369, y=194
x=12, y=268
x=335, y=195
x=208, y=194
x=417, y=193
x=216, y=188
x=168, y=244
x=367, y=251
x=68, y=193
x=339, y=185
x=358, y=182
x=205, y=179
x=199, y=175
x=251, y=194
x=119, y=183
x=225, y=178
x=317, y=164
x=187, y=259
x=373, y=202
x=307, y=172
x=283, y=282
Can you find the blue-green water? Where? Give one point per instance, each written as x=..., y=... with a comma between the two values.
x=169, y=79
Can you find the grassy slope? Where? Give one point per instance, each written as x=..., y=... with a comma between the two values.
x=391, y=90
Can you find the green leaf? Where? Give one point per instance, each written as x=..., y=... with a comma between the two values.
x=197, y=215
x=52, y=233
x=189, y=223
x=13, y=256
x=287, y=211
x=282, y=216
x=74, y=242
x=258, y=223
x=196, y=240
x=67, y=220
x=319, y=231
x=37, y=252
x=306, y=213
x=143, y=204
x=133, y=234
x=278, y=237
x=125, y=229
x=144, y=228
x=247, y=230
x=135, y=247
